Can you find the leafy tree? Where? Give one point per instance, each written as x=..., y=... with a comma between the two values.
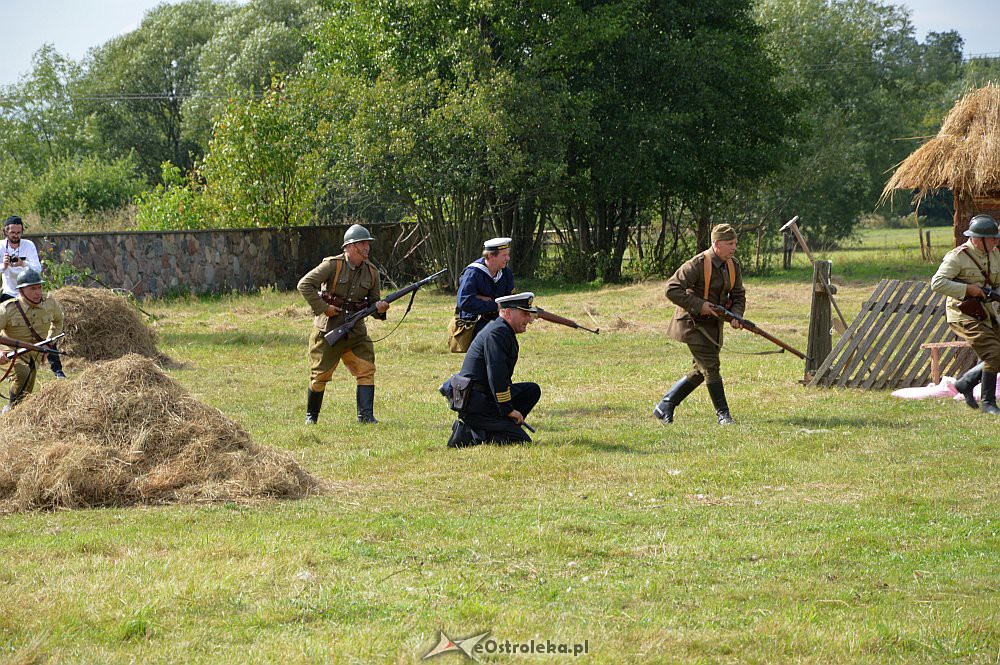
x=176, y=203
x=855, y=66
x=260, y=40
x=83, y=186
x=261, y=168
x=136, y=84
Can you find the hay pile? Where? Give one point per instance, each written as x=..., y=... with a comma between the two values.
x=965, y=154
x=125, y=433
x=101, y=325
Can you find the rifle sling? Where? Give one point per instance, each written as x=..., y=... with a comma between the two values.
x=34, y=333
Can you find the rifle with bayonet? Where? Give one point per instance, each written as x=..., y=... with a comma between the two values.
x=20, y=348
x=563, y=321
x=755, y=329
x=340, y=332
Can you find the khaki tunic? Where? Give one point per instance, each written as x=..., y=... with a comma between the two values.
x=356, y=350
x=47, y=320
x=958, y=269
x=703, y=335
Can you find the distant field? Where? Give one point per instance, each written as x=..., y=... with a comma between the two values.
x=826, y=527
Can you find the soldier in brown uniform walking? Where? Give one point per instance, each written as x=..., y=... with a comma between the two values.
x=712, y=277
x=964, y=272
x=32, y=318
x=351, y=283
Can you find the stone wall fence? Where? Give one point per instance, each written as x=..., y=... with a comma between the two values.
x=153, y=264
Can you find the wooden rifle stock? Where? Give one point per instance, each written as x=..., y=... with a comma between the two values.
x=563, y=321
x=21, y=348
x=340, y=332
x=755, y=329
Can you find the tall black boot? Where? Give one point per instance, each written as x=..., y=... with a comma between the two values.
x=718, y=393
x=988, y=390
x=664, y=411
x=314, y=401
x=461, y=435
x=366, y=404
x=967, y=382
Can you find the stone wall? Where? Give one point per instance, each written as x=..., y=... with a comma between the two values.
x=158, y=263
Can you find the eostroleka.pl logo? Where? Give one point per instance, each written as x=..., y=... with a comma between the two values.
x=481, y=644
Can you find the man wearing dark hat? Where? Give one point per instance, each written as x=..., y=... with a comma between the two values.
x=495, y=407
x=337, y=287
x=712, y=277
x=31, y=317
x=964, y=272
x=483, y=281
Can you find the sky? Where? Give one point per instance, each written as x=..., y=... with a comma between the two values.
x=74, y=26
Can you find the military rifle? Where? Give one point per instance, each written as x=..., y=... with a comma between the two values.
x=20, y=348
x=563, y=321
x=340, y=332
x=752, y=327
x=974, y=306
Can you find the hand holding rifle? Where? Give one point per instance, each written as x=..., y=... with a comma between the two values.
x=20, y=348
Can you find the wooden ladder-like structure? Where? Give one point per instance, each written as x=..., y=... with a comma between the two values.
x=881, y=349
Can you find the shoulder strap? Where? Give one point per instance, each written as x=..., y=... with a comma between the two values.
x=336, y=272
x=34, y=333
x=730, y=267
x=707, y=266
x=986, y=274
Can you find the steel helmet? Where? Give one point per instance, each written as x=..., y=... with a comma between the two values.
x=29, y=277
x=983, y=226
x=356, y=233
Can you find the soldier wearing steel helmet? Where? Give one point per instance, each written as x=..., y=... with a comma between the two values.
x=964, y=274
x=31, y=317
x=349, y=282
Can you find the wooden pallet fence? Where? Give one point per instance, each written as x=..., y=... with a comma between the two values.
x=881, y=349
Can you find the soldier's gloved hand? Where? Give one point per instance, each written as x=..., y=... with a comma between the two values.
x=516, y=416
x=382, y=306
x=332, y=311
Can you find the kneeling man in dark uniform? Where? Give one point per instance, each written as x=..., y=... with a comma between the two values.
x=491, y=407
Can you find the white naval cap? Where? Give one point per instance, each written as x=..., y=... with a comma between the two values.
x=523, y=301
x=494, y=244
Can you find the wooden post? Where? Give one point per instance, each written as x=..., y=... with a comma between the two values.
x=820, y=318
x=928, y=243
x=787, y=248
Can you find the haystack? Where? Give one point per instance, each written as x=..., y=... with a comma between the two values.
x=964, y=157
x=125, y=433
x=101, y=325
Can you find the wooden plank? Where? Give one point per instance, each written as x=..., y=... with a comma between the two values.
x=889, y=354
x=930, y=327
x=868, y=314
x=822, y=374
x=905, y=353
x=870, y=332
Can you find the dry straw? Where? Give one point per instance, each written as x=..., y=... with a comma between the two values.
x=101, y=325
x=964, y=156
x=125, y=433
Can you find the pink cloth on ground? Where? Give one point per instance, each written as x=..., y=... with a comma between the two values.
x=944, y=389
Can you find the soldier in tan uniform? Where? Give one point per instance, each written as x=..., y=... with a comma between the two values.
x=354, y=282
x=712, y=277
x=963, y=274
x=32, y=318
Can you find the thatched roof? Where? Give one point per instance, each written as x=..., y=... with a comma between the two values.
x=965, y=155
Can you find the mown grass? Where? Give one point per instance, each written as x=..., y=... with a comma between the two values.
x=827, y=526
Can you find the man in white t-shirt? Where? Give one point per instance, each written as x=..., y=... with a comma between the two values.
x=19, y=255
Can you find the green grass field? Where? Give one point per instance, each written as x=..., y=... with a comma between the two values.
x=826, y=527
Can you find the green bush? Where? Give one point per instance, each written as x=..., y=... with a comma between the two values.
x=84, y=186
x=175, y=205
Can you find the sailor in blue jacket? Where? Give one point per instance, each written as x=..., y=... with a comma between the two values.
x=483, y=281
x=496, y=406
